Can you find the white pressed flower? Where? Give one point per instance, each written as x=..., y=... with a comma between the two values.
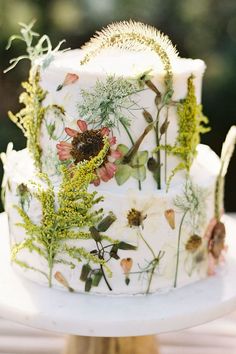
x=138, y=215
x=191, y=261
x=107, y=103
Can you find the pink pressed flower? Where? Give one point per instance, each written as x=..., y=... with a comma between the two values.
x=85, y=145
x=70, y=78
x=215, y=235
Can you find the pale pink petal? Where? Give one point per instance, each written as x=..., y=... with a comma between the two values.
x=70, y=79
x=209, y=229
x=111, y=169
x=105, y=131
x=103, y=174
x=63, y=157
x=211, y=265
x=112, y=140
x=71, y=132
x=116, y=154
x=82, y=125
x=64, y=143
x=96, y=182
x=62, y=147
x=65, y=154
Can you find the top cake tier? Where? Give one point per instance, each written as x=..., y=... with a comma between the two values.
x=153, y=128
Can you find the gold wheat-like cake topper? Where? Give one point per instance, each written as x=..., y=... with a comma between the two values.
x=134, y=36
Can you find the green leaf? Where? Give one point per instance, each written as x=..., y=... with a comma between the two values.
x=97, y=278
x=147, y=115
x=85, y=272
x=123, y=149
x=126, y=246
x=139, y=173
x=140, y=158
x=95, y=234
x=167, y=96
x=106, y=222
x=123, y=173
x=113, y=251
x=152, y=164
x=127, y=281
x=88, y=284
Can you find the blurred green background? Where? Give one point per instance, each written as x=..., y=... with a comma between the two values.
x=203, y=29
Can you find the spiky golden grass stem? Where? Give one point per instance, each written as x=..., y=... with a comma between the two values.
x=133, y=36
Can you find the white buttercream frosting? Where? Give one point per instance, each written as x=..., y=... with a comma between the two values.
x=156, y=230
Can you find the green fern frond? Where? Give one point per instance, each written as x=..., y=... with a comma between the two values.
x=65, y=217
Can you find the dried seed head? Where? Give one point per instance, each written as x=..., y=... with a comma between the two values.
x=193, y=243
x=87, y=145
x=217, y=241
x=135, y=217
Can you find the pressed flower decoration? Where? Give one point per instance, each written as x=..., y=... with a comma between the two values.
x=215, y=232
x=85, y=145
x=69, y=79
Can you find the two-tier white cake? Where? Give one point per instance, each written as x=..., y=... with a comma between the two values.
x=114, y=194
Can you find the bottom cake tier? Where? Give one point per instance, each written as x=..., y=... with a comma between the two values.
x=133, y=242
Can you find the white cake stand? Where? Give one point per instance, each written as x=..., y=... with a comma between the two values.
x=101, y=316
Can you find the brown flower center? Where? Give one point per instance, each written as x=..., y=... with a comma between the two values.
x=135, y=217
x=193, y=243
x=87, y=145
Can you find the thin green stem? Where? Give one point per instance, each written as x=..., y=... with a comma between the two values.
x=178, y=247
x=50, y=265
x=146, y=243
x=127, y=131
x=105, y=278
x=165, y=158
x=132, y=142
x=150, y=278
x=165, y=152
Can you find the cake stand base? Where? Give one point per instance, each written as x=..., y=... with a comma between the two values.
x=113, y=345
x=115, y=324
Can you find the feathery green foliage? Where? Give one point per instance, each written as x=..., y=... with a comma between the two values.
x=34, y=50
x=67, y=217
x=105, y=103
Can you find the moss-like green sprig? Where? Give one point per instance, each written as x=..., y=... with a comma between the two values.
x=191, y=124
x=30, y=117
